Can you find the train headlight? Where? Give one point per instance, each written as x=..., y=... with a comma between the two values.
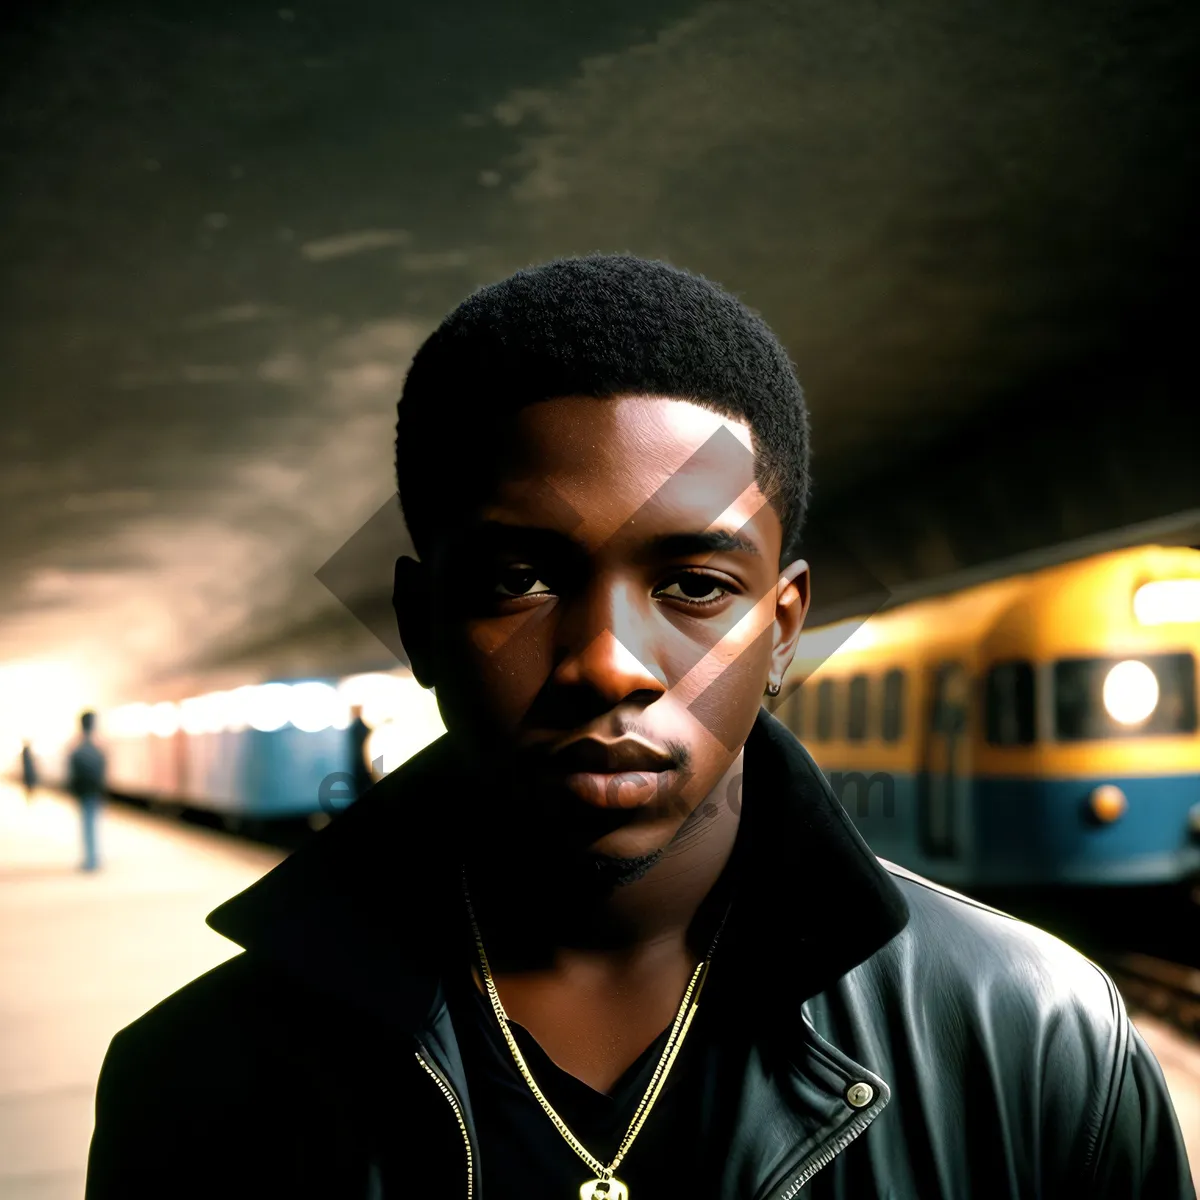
x=1107, y=803
x=1130, y=692
x=1167, y=602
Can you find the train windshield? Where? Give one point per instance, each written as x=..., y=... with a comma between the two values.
x=1153, y=695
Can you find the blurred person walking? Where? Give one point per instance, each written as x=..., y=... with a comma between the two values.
x=28, y=771
x=85, y=781
x=358, y=732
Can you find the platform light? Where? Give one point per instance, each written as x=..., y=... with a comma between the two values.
x=192, y=715
x=204, y=714
x=395, y=742
x=40, y=700
x=129, y=721
x=237, y=706
x=315, y=706
x=1167, y=602
x=382, y=697
x=265, y=707
x=1130, y=692
x=164, y=719
x=219, y=712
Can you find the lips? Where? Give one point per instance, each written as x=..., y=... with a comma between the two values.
x=598, y=757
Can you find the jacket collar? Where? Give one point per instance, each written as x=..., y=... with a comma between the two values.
x=363, y=911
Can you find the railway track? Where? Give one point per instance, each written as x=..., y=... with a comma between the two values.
x=1166, y=990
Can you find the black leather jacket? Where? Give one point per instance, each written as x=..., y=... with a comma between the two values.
x=912, y=1042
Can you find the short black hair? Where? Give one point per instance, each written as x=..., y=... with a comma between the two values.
x=87, y=721
x=605, y=325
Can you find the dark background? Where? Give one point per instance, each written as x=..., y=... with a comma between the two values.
x=225, y=227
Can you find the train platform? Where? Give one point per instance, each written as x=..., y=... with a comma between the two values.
x=83, y=955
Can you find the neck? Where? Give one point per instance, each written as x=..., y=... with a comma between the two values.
x=533, y=916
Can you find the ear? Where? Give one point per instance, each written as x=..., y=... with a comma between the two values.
x=792, y=596
x=412, y=600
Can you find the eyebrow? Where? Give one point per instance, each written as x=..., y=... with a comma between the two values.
x=710, y=541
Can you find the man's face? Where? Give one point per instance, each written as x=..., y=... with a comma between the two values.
x=603, y=629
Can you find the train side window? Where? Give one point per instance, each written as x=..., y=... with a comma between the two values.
x=892, y=717
x=1144, y=695
x=825, y=697
x=948, y=714
x=856, y=715
x=1009, y=704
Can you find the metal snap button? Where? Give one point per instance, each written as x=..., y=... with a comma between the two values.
x=859, y=1095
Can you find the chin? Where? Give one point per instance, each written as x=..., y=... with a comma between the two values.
x=615, y=870
x=630, y=844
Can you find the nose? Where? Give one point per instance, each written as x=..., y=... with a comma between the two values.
x=606, y=647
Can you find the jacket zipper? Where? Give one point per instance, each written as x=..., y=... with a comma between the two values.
x=825, y=1156
x=448, y=1092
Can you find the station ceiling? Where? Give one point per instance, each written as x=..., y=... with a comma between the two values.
x=225, y=227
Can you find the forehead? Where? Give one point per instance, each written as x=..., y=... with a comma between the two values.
x=603, y=465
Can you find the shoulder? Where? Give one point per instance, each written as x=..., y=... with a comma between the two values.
x=240, y=1021
x=214, y=1091
x=1006, y=1005
x=987, y=962
x=213, y=1009
x=231, y=1050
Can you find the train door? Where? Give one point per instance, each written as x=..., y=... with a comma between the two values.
x=942, y=805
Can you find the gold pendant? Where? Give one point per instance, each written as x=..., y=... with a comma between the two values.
x=604, y=1189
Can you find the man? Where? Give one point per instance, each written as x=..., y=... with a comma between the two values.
x=85, y=781
x=28, y=771
x=613, y=936
x=358, y=733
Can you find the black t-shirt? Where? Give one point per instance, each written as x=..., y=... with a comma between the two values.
x=681, y=1148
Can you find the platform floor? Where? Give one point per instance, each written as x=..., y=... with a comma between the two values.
x=81, y=956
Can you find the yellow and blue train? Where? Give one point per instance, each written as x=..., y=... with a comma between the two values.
x=1036, y=731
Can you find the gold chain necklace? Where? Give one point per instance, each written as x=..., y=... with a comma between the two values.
x=606, y=1186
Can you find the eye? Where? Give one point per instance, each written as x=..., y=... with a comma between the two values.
x=519, y=580
x=695, y=588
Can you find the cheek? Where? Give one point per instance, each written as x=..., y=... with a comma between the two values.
x=496, y=668
x=721, y=694
x=720, y=686
x=698, y=650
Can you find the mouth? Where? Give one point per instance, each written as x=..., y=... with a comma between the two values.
x=620, y=756
x=625, y=772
